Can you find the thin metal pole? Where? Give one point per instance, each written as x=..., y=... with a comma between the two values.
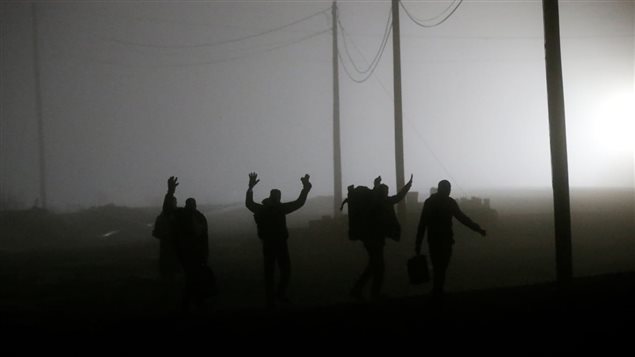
x=337, y=154
x=399, y=154
x=38, y=107
x=558, y=138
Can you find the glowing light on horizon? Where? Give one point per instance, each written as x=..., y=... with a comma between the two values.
x=614, y=125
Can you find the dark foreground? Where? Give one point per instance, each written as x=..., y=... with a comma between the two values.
x=596, y=312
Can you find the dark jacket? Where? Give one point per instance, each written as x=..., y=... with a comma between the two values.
x=388, y=224
x=436, y=217
x=271, y=217
x=191, y=237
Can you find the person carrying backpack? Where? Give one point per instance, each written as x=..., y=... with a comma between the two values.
x=372, y=219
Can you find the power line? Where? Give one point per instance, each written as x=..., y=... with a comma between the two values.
x=223, y=60
x=414, y=128
x=213, y=44
x=254, y=53
x=436, y=158
x=423, y=23
x=440, y=14
x=350, y=75
x=379, y=51
x=374, y=64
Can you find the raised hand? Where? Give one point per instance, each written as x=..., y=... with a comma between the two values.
x=409, y=181
x=172, y=183
x=305, y=182
x=253, y=179
x=377, y=181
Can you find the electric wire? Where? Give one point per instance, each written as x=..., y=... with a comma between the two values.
x=438, y=15
x=218, y=43
x=413, y=127
x=257, y=52
x=423, y=23
x=379, y=51
x=375, y=63
x=242, y=56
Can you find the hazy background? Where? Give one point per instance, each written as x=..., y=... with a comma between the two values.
x=133, y=93
x=136, y=91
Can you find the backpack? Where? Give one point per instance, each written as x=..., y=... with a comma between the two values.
x=367, y=216
x=362, y=211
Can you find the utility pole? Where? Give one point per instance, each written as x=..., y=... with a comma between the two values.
x=396, y=58
x=558, y=139
x=337, y=152
x=38, y=105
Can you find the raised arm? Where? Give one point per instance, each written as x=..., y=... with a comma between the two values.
x=377, y=182
x=169, y=196
x=249, y=199
x=463, y=218
x=401, y=194
x=289, y=207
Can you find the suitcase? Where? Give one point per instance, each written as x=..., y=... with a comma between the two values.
x=418, y=271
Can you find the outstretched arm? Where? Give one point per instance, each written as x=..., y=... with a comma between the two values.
x=169, y=196
x=295, y=205
x=249, y=199
x=402, y=193
x=463, y=218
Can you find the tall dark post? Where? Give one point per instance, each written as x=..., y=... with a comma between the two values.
x=38, y=106
x=337, y=153
x=558, y=138
x=396, y=58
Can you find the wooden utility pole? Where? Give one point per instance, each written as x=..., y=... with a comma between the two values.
x=558, y=138
x=38, y=106
x=396, y=58
x=337, y=152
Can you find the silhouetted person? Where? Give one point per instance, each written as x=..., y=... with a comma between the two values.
x=382, y=223
x=165, y=231
x=270, y=217
x=436, y=218
x=191, y=247
x=193, y=250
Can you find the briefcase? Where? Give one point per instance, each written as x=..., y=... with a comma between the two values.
x=418, y=269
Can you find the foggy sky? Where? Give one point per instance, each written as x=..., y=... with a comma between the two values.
x=120, y=118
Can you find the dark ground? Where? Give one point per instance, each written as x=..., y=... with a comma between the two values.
x=66, y=285
x=594, y=312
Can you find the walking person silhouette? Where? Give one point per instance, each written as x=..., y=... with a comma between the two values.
x=189, y=231
x=436, y=217
x=270, y=217
x=380, y=222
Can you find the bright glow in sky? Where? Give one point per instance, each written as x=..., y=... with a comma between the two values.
x=614, y=123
